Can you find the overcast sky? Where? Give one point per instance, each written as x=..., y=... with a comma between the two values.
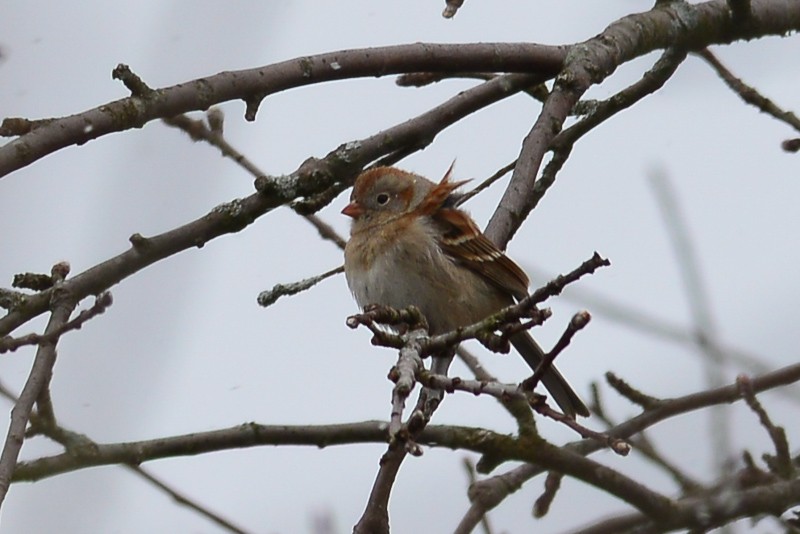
x=186, y=348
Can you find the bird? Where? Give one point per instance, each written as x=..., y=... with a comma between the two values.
x=411, y=245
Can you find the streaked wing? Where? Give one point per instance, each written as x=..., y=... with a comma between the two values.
x=465, y=243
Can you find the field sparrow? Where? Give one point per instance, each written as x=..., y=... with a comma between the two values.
x=410, y=245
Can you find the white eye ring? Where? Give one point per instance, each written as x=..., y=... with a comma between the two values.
x=382, y=198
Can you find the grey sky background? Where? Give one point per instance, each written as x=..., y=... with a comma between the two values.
x=185, y=347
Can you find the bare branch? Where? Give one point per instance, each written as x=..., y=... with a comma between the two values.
x=101, y=304
x=486, y=183
x=551, y=485
x=186, y=501
x=644, y=446
x=39, y=377
x=451, y=8
x=375, y=519
x=403, y=375
x=632, y=394
x=519, y=408
x=590, y=62
x=746, y=92
x=647, y=323
x=478, y=440
x=212, y=132
x=203, y=131
x=252, y=85
x=791, y=145
x=469, y=467
x=781, y=464
x=578, y=322
x=486, y=494
x=658, y=412
x=268, y=298
x=562, y=143
x=72, y=441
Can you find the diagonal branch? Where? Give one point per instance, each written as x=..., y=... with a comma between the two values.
x=749, y=93
x=590, y=62
x=39, y=377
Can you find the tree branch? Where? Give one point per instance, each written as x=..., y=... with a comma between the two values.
x=39, y=377
x=252, y=85
x=590, y=62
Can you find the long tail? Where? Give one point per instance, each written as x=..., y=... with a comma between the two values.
x=555, y=383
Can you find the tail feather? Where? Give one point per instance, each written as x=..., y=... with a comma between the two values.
x=555, y=383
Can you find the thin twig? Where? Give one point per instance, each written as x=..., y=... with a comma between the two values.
x=469, y=468
x=578, y=322
x=647, y=323
x=40, y=374
x=748, y=93
x=551, y=485
x=375, y=518
x=508, y=392
x=404, y=374
x=101, y=304
x=486, y=183
x=268, y=298
x=211, y=132
x=188, y=502
x=451, y=8
x=76, y=443
x=496, y=489
x=647, y=402
x=646, y=448
x=781, y=464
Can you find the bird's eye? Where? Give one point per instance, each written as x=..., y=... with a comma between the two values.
x=382, y=198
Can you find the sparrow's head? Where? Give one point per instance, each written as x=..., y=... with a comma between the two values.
x=389, y=192
x=386, y=190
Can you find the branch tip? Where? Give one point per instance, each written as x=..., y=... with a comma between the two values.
x=451, y=8
x=138, y=241
x=551, y=486
x=134, y=83
x=791, y=145
x=781, y=464
x=251, y=106
x=632, y=394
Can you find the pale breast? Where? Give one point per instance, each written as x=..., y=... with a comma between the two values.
x=401, y=273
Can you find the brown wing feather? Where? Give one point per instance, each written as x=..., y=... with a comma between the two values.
x=463, y=241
